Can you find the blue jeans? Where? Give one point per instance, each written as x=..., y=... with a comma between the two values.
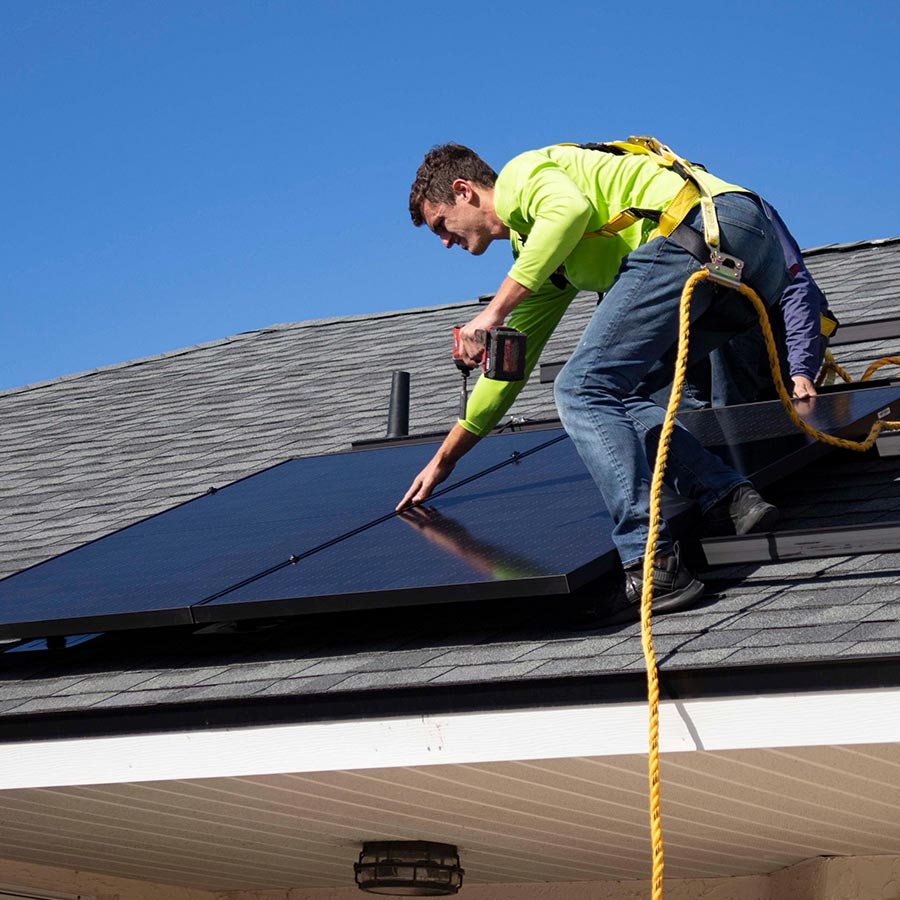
x=627, y=353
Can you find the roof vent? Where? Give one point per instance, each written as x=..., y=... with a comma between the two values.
x=398, y=411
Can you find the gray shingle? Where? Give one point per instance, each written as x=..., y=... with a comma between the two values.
x=588, y=665
x=486, y=672
x=102, y=682
x=796, y=637
x=785, y=617
x=303, y=686
x=41, y=687
x=226, y=691
x=394, y=660
x=690, y=659
x=391, y=679
x=589, y=646
x=485, y=653
x=788, y=652
x=257, y=671
x=177, y=678
x=138, y=699
x=60, y=703
x=867, y=631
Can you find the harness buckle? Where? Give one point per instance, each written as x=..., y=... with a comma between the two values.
x=724, y=269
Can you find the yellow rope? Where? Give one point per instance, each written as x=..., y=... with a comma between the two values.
x=650, y=548
x=887, y=360
x=829, y=369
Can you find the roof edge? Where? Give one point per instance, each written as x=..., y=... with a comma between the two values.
x=590, y=730
x=507, y=696
x=367, y=317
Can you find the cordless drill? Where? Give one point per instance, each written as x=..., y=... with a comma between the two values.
x=503, y=358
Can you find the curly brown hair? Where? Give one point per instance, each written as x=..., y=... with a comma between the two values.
x=439, y=169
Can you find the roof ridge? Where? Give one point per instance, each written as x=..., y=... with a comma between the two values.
x=220, y=342
x=851, y=245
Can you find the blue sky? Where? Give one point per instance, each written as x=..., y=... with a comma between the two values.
x=176, y=171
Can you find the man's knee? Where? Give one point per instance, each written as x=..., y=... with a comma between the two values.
x=575, y=386
x=564, y=390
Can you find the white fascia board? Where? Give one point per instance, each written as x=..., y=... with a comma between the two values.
x=721, y=723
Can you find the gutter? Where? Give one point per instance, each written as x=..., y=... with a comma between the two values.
x=856, y=702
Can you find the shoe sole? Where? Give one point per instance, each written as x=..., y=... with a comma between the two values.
x=761, y=519
x=686, y=597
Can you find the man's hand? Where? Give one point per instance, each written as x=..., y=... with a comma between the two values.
x=426, y=481
x=457, y=443
x=470, y=348
x=509, y=295
x=803, y=387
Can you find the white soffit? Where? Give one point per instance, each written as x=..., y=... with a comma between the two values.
x=731, y=813
x=728, y=723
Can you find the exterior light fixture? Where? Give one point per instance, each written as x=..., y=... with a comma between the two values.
x=408, y=868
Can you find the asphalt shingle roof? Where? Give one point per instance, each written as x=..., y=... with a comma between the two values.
x=87, y=454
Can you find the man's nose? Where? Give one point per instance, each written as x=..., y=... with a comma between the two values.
x=447, y=241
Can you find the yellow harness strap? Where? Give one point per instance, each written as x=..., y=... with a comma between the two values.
x=674, y=214
x=694, y=189
x=682, y=203
x=828, y=325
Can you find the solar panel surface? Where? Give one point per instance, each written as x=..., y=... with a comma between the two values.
x=535, y=524
x=152, y=572
x=537, y=527
x=759, y=439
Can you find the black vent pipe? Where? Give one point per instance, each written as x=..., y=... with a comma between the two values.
x=398, y=411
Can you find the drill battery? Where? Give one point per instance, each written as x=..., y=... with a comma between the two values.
x=504, y=353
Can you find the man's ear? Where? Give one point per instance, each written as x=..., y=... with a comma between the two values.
x=463, y=190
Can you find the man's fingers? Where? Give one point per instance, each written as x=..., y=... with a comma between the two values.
x=425, y=482
x=408, y=496
x=804, y=388
x=419, y=491
x=472, y=348
x=472, y=354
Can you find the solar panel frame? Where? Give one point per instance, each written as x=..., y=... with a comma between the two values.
x=847, y=413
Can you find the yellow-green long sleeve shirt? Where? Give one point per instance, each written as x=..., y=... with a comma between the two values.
x=550, y=199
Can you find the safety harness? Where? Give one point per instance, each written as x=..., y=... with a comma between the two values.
x=722, y=267
x=705, y=247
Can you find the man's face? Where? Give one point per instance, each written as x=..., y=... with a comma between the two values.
x=460, y=223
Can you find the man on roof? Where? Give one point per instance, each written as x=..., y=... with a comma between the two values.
x=549, y=204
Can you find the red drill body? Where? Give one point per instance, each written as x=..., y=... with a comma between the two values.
x=503, y=358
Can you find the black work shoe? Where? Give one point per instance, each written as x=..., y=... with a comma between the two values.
x=674, y=587
x=741, y=512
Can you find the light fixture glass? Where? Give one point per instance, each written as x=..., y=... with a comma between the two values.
x=408, y=868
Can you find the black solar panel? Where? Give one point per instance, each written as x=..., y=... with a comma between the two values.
x=759, y=439
x=504, y=527
x=151, y=573
x=538, y=526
